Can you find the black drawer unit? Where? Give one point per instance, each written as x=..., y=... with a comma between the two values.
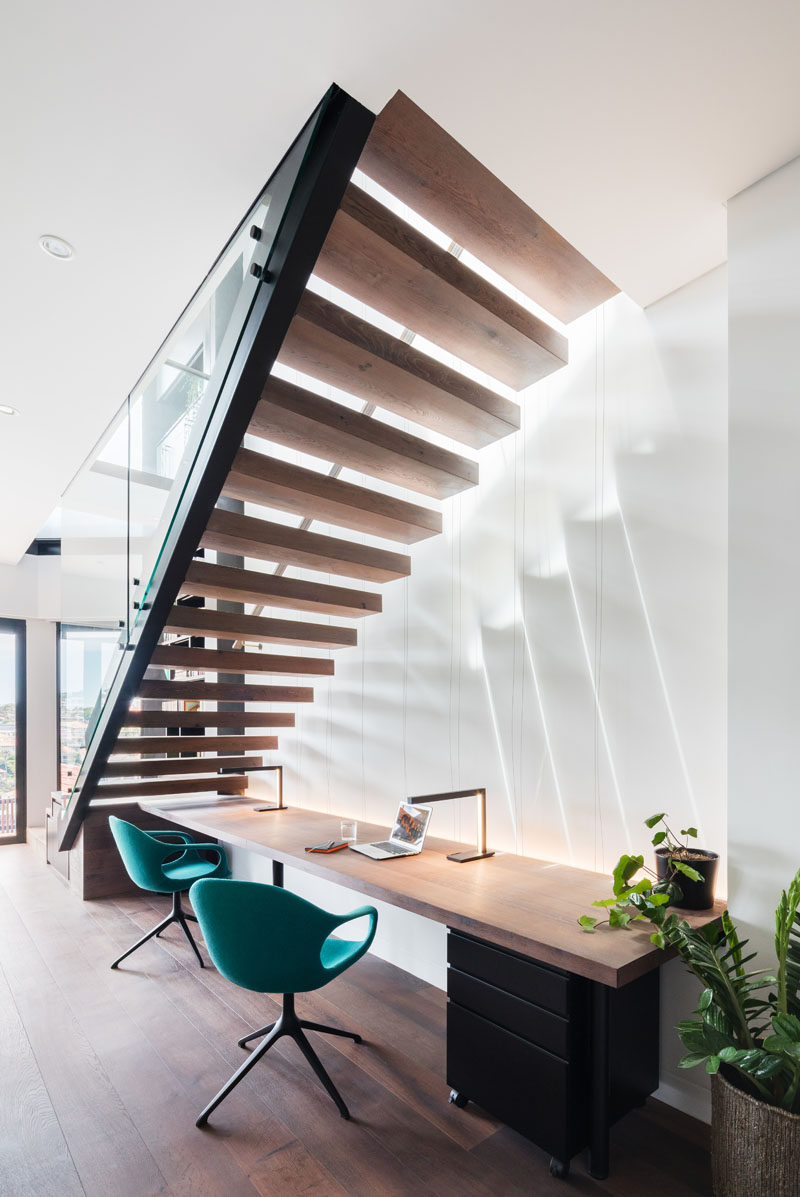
x=526, y=1043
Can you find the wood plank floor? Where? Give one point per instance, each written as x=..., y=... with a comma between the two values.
x=103, y=1074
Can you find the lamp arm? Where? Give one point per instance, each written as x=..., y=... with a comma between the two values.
x=478, y=792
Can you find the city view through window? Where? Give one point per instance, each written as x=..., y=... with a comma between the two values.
x=8, y=734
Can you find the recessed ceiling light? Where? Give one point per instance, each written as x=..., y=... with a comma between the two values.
x=57, y=247
x=5, y=410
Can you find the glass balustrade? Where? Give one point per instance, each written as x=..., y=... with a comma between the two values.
x=118, y=511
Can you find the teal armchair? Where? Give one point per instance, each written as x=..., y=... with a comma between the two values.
x=292, y=951
x=165, y=862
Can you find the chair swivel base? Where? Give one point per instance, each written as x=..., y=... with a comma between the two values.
x=176, y=915
x=288, y=1024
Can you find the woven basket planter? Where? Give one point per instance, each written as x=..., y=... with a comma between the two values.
x=755, y=1148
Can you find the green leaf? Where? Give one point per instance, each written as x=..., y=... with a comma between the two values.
x=651, y=822
x=706, y=998
x=587, y=923
x=687, y=870
x=658, y=939
x=618, y=918
x=787, y=1025
x=659, y=899
x=605, y=902
x=712, y=1064
x=693, y=1059
x=692, y=831
x=627, y=867
x=658, y=838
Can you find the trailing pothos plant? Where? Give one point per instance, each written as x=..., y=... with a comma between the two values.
x=748, y=1019
x=648, y=897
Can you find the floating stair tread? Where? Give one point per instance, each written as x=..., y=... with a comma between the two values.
x=259, y=478
x=412, y=156
x=247, y=536
x=166, y=766
x=232, y=784
x=212, y=660
x=299, y=419
x=196, y=688
x=273, y=590
x=378, y=258
x=175, y=745
x=230, y=625
x=341, y=349
x=215, y=719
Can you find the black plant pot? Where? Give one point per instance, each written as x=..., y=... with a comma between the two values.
x=697, y=895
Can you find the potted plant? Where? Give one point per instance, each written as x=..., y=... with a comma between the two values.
x=683, y=877
x=745, y=1030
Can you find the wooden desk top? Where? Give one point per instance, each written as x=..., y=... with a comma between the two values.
x=530, y=906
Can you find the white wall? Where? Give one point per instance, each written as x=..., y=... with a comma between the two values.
x=563, y=643
x=764, y=502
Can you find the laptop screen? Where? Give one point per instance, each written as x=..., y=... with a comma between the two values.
x=410, y=825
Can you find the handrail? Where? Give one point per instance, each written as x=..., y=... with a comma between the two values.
x=306, y=190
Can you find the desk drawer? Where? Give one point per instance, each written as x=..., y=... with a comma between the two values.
x=529, y=1089
x=531, y=1022
x=546, y=987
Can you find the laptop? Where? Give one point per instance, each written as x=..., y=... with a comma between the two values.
x=407, y=838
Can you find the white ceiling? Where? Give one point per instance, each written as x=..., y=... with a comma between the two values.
x=141, y=132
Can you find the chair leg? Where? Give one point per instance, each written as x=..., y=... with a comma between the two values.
x=182, y=920
x=241, y=1072
x=160, y=927
x=255, y=1035
x=316, y=1026
x=288, y=1024
x=322, y=1076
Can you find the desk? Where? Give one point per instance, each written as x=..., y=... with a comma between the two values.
x=508, y=916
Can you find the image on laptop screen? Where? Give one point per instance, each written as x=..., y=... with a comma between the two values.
x=410, y=824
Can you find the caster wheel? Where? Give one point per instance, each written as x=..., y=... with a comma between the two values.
x=559, y=1169
x=457, y=1099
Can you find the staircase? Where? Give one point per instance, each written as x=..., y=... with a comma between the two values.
x=260, y=559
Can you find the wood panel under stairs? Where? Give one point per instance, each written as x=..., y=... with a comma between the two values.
x=244, y=535
x=210, y=660
x=215, y=719
x=375, y=256
x=273, y=590
x=339, y=348
x=196, y=689
x=175, y=745
x=175, y=765
x=310, y=494
x=229, y=625
x=412, y=156
x=299, y=419
x=149, y=789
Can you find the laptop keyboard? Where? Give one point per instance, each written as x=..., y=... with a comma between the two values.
x=388, y=846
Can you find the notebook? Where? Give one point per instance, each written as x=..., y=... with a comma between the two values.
x=407, y=837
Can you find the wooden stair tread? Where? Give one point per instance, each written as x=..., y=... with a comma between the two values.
x=196, y=688
x=380, y=260
x=167, y=766
x=148, y=789
x=273, y=590
x=216, y=719
x=211, y=660
x=299, y=419
x=247, y=536
x=175, y=745
x=412, y=156
x=259, y=478
x=230, y=625
x=341, y=349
